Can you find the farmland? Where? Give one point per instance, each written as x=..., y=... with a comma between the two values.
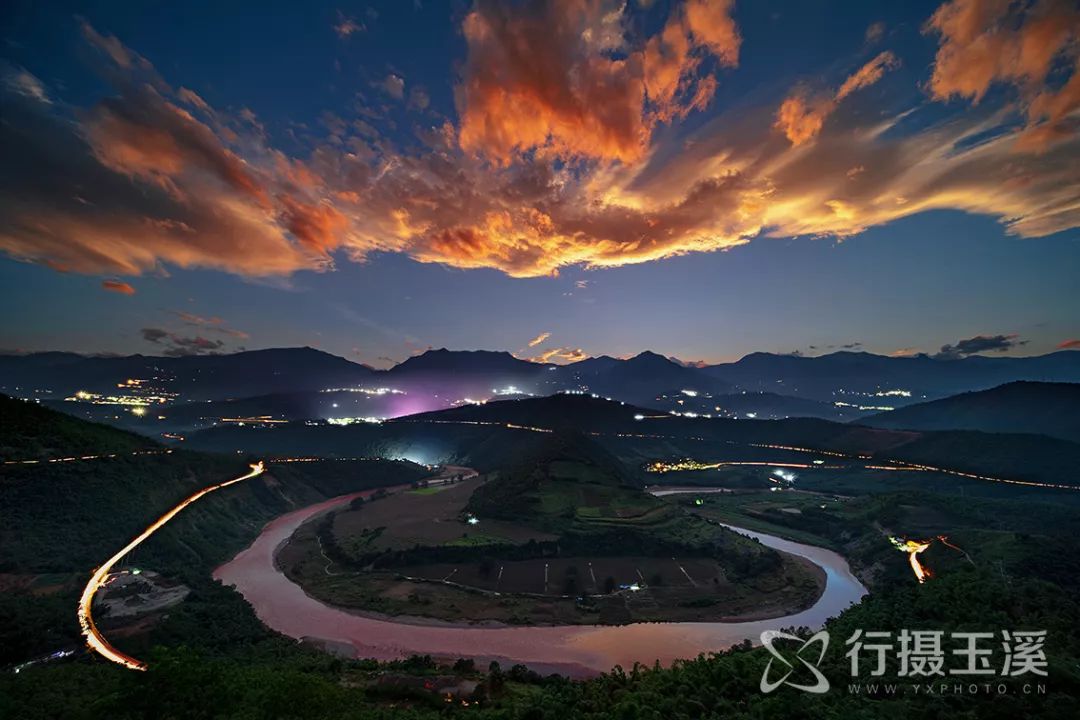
x=560, y=539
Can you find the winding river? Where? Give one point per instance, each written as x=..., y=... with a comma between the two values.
x=575, y=650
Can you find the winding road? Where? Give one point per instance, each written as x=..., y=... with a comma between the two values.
x=94, y=639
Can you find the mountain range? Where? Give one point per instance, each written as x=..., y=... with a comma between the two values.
x=488, y=435
x=194, y=377
x=293, y=383
x=855, y=374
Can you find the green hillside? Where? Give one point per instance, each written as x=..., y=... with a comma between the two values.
x=1018, y=407
x=59, y=521
x=32, y=432
x=566, y=479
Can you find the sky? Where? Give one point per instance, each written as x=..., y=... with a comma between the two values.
x=558, y=179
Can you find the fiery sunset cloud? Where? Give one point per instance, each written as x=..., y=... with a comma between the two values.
x=539, y=339
x=118, y=286
x=983, y=42
x=580, y=136
x=801, y=118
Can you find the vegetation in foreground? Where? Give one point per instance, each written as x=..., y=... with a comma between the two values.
x=210, y=657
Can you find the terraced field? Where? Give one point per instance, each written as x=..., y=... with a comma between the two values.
x=565, y=539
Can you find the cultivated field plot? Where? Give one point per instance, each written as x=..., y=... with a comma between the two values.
x=574, y=576
x=428, y=517
x=592, y=502
x=613, y=554
x=795, y=587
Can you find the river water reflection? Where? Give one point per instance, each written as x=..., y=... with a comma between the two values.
x=576, y=650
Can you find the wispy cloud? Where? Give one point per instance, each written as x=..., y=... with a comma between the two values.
x=212, y=323
x=346, y=26
x=118, y=286
x=980, y=344
x=802, y=117
x=874, y=32
x=539, y=339
x=983, y=42
x=555, y=159
x=560, y=356
x=393, y=85
x=176, y=345
x=20, y=82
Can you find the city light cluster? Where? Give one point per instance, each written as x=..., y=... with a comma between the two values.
x=511, y=390
x=254, y=420
x=98, y=399
x=354, y=420
x=367, y=391
x=880, y=408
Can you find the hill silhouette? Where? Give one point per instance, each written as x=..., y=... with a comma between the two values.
x=564, y=456
x=198, y=377
x=820, y=377
x=1019, y=407
x=32, y=432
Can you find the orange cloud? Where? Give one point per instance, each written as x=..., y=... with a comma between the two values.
x=711, y=24
x=319, y=227
x=801, y=118
x=152, y=178
x=560, y=78
x=868, y=74
x=560, y=356
x=118, y=286
x=539, y=339
x=144, y=135
x=1069, y=345
x=140, y=181
x=537, y=80
x=983, y=42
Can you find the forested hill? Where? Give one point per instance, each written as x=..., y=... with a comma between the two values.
x=1020, y=407
x=31, y=432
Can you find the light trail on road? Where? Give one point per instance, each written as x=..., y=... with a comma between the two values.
x=913, y=548
x=900, y=464
x=94, y=639
x=911, y=466
x=945, y=541
x=45, y=461
x=973, y=476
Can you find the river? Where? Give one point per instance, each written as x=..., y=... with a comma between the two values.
x=575, y=650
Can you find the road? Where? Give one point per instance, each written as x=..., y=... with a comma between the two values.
x=94, y=639
x=895, y=464
x=77, y=458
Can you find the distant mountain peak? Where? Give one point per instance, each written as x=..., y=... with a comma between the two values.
x=475, y=361
x=444, y=352
x=652, y=358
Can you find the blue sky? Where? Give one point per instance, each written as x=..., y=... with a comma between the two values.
x=703, y=180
